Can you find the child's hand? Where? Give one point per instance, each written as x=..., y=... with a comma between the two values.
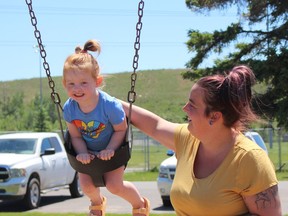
x=85, y=158
x=106, y=154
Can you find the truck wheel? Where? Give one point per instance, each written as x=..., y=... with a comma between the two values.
x=166, y=202
x=74, y=187
x=32, y=197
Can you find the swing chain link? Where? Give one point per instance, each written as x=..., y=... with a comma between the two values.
x=132, y=93
x=54, y=95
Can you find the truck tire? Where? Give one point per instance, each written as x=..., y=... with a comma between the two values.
x=166, y=202
x=74, y=187
x=32, y=197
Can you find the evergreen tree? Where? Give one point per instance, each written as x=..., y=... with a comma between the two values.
x=260, y=41
x=12, y=109
x=52, y=111
x=40, y=122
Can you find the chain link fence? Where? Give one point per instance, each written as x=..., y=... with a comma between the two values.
x=276, y=140
x=147, y=154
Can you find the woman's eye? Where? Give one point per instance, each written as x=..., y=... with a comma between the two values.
x=191, y=105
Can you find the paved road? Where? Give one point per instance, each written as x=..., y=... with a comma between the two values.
x=283, y=191
x=60, y=201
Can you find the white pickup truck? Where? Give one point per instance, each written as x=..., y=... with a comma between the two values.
x=31, y=163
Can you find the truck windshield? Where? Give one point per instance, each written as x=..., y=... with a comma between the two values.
x=18, y=146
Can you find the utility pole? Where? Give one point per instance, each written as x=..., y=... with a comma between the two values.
x=36, y=49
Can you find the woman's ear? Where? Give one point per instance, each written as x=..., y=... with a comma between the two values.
x=216, y=116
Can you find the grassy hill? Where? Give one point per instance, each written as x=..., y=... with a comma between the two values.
x=161, y=91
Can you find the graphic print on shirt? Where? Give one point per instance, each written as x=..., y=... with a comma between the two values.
x=91, y=129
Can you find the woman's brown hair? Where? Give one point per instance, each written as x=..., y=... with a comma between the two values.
x=231, y=95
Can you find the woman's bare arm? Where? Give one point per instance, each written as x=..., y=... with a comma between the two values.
x=152, y=125
x=265, y=203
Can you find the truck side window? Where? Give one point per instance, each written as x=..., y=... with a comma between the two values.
x=45, y=145
x=55, y=144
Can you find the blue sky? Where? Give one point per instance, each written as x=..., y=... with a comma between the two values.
x=65, y=24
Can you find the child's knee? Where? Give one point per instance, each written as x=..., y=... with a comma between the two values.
x=115, y=188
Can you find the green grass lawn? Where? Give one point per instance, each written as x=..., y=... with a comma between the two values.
x=69, y=214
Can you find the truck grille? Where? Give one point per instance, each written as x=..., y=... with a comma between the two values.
x=172, y=173
x=4, y=173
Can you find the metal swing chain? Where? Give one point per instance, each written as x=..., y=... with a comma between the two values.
x=132, y=94
x=54, y=95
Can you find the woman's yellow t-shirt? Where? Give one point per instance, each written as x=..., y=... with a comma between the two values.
x=246, y=170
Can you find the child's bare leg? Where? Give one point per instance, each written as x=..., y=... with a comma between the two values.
x=91, y=191
x=126, y=190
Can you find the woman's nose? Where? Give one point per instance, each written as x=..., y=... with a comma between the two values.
x=184, y=107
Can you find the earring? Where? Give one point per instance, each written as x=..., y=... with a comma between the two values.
x=210, y=122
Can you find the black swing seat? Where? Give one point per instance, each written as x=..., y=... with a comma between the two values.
x=97, y=167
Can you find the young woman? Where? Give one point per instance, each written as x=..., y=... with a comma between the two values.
x=219, y=171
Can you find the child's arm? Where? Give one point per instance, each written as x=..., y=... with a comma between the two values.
x=79, y=145
x=115, y=142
